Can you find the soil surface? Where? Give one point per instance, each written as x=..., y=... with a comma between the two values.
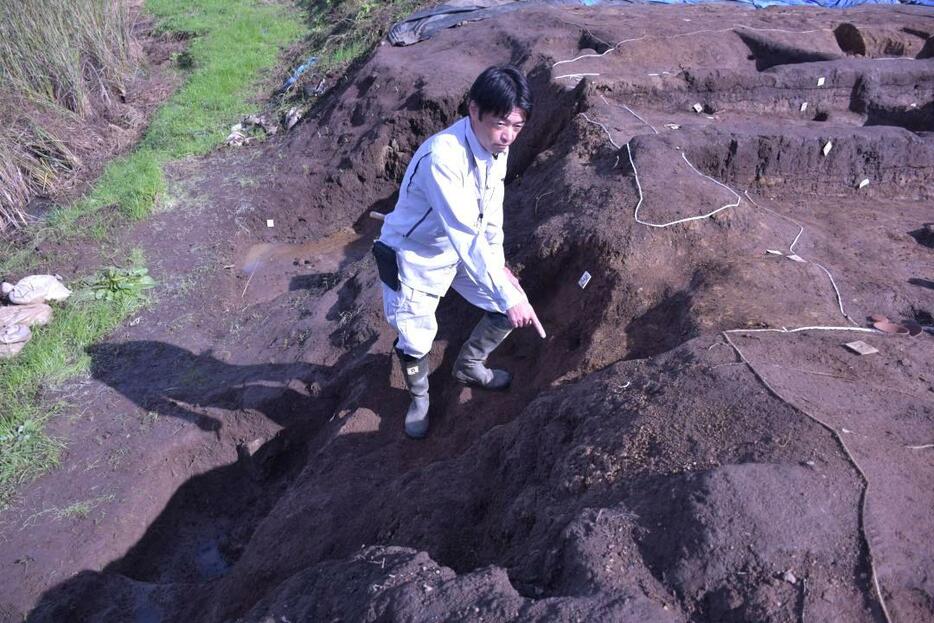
x=238, y=449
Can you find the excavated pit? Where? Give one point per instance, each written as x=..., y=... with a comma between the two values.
x=644, y=465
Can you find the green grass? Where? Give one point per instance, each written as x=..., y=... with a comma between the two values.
x=235, y=42
x=59, y=64
x=55, y=353
x=343, y=31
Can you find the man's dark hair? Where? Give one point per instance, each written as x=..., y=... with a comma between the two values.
x=501, y=88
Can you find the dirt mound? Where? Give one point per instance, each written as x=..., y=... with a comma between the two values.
x=650, y=462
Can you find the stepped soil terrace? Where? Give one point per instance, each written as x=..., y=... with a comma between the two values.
x=674, y=450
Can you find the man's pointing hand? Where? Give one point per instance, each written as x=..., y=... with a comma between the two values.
x=522, y=315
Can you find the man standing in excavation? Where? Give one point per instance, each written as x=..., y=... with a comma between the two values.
x=447, y=230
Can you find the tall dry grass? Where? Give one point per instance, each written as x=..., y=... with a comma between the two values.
x=60, y=62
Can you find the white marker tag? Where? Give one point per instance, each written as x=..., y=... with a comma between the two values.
x=413, y=370
x=827, y=147
x=804, y=106
x=861, y=347
x=672, y=126
x=584, y=280
x=270, y=223
x=796, y=258
x=864, y=183
x=774, y=252
x=698, y=108
x=820, y=81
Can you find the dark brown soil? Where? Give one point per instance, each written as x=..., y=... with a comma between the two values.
x=243, y=439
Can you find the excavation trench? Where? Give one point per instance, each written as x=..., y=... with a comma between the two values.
x=638, y=469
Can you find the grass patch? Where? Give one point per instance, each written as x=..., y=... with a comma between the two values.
x=55, y=353
x=60, y=63
x=344, y=31
x=236, y=40
x=76, y=510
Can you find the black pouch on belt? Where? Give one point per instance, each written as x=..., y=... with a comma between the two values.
x=386, y=264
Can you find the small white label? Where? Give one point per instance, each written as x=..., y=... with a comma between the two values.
x=796, y=258
x=827, y=147
x=270, y=223
x=698, y=108
x=672, y=126
x=413, y=370
x=864, y=183
x=773, y=252
x=820, y=81
x=584, y=280
x=804, y=106
x=861, y=348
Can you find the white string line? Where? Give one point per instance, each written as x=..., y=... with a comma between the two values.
x=865, y=496
x=833, y=282
x=797, y=329
x=642, y=195
x=791, y=248
x=608, y=135
x=849, y=455
x=574, y=76
x=837, y=291
x=631, y=111
x=686, y=34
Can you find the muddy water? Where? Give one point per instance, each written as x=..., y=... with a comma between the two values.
x=275, y=268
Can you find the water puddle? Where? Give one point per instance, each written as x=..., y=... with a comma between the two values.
x=209, y=561
x=274, y=268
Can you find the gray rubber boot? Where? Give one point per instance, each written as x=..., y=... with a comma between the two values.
x=470, y=367
x=415, y=371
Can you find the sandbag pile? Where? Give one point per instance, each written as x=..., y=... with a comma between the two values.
x=28, y=308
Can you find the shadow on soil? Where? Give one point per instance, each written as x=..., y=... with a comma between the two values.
x=171, y=381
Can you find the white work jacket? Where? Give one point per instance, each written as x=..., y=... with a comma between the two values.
x=449, y=215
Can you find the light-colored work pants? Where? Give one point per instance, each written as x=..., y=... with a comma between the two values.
x=412, y=312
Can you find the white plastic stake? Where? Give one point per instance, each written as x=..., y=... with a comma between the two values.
x=864, y=183
x=804, y=106
x=827, y=147
x=820, y=81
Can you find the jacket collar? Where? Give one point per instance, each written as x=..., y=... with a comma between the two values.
x=481, y=155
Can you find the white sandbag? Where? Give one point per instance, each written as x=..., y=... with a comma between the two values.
x=28, y=315
x=7, y=351
x=12, y=339
x=38, y=289
x=15, y=334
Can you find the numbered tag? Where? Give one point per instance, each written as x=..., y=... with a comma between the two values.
x=584, y=280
